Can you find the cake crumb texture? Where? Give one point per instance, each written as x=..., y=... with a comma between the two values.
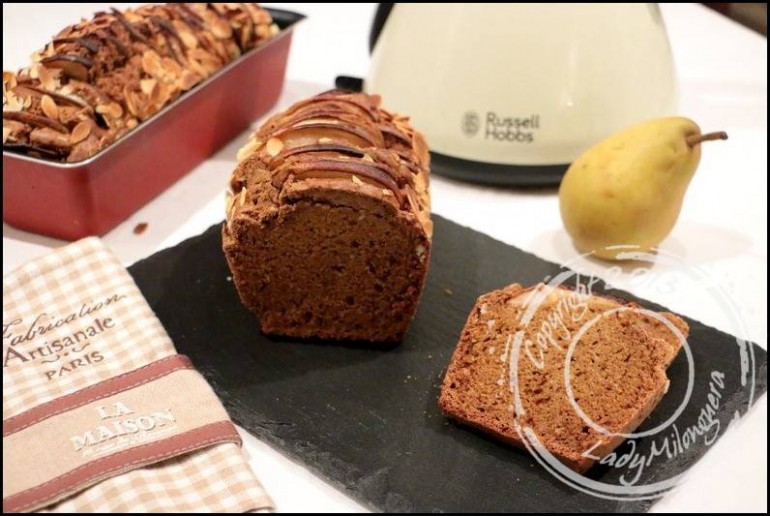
x=617, y=369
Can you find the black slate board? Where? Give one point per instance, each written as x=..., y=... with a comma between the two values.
x=367, y=419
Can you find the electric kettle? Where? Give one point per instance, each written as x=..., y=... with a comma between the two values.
x=513, y=93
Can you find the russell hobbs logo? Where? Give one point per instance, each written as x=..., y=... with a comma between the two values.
x=501, y=128
x=470, y=125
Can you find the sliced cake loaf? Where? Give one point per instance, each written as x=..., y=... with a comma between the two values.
x=328, y=226
x=98, y=79
x=617, y=369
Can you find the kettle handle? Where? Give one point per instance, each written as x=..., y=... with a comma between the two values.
x=356, y=84
x=380, y=17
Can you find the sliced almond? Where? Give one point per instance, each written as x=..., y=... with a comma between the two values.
x=131, y=102
x=413, y=203
x=49, y=107
x=147, y=85
x=9, y=82
x=132, y=16
x=274, y=146
x=428, y=225
x=211, y=63
x=13, y=102
x=80, y=132
x=221, y=29
x=263, y=31
x=248, y=149
x=247, y=33
x=228, y=203
x=187, y=80
x=367, y=158
x=197, y=67
x=49, y=77
x=151, y=64
x=387, y=193
x=6, y=133
x=131, y=123
x=260, y=16
x=197, y=53
x=242, y=197
x=356, y=180
x=9, y=79
x=188, y=38
x=112, y=110
x=323, y=120
x=160, y=95
x=116, y=110
x=171, y=68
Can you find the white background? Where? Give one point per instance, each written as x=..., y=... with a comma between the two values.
x=722, y=71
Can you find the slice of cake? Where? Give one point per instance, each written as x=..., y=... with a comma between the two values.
x=617, y=369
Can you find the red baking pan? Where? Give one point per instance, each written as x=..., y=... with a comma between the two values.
x=74, y=200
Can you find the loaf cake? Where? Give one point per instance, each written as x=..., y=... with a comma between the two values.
x=100, y=78
x=617, y=369
x=328, y=229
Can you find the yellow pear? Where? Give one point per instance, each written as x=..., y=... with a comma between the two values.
x=627, y=190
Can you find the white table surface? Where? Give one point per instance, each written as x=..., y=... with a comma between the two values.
x=722, y=71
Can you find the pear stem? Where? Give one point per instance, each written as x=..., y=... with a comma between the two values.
x=695, y=139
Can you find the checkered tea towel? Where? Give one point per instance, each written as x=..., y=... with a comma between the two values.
x=99, y=411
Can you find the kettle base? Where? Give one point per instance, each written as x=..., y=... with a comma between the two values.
x=496, y=174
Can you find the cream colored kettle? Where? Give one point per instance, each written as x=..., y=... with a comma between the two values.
x=512, y=93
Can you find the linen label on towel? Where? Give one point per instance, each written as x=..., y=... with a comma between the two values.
x=138, y=418
x=120, y=426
